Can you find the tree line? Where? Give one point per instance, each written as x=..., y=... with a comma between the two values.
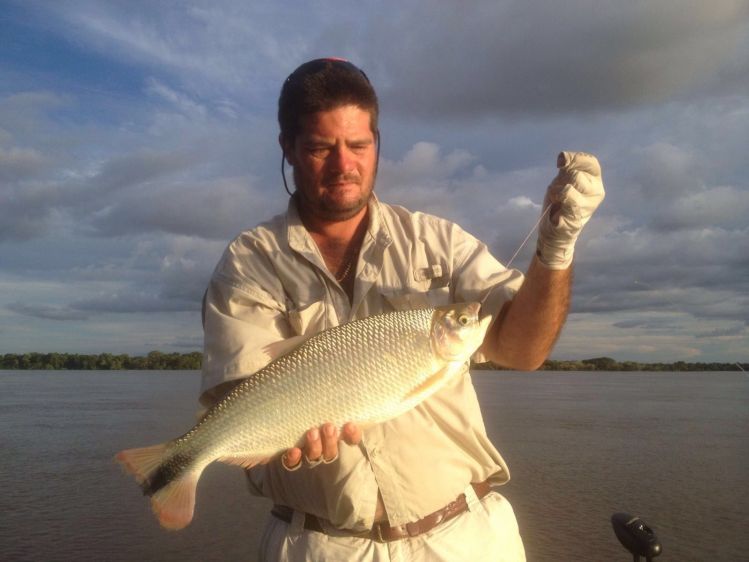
x=155, y=361
x=158, y=361
x=609, y=364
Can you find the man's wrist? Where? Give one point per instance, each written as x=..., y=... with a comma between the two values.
x=556, y=258
x=555, y=246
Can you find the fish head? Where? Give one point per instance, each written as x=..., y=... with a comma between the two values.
x=457, y=331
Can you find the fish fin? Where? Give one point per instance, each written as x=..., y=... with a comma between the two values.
x=432, y=384
x=142, y=462
x=245, y=461
x=282, y=347
x=174, y=504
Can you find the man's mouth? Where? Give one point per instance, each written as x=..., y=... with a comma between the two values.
x=340, y=182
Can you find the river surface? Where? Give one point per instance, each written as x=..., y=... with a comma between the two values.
x=672, y=448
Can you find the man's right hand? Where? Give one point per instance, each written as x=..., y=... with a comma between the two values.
x=321, y=445
x=571, y=198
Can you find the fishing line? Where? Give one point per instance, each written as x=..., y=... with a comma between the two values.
x=524, y=242
x=522, y=245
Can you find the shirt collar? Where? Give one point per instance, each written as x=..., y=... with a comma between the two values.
x=301, y=241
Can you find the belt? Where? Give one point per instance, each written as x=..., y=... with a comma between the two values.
x=383, y=531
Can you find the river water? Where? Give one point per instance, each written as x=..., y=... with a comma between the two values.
x=672, y=448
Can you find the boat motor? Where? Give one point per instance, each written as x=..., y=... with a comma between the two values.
x=636, y=536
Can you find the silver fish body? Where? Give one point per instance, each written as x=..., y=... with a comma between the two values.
x=366, y=371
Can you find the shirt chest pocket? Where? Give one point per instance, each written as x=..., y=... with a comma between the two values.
x=309, y=318
x=430, y=288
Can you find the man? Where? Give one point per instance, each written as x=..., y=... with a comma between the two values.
x=416, y=487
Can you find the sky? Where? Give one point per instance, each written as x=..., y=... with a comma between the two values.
x=138, y=138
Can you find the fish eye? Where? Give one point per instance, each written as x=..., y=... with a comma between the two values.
x=463, y=320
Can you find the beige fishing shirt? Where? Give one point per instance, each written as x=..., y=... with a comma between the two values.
x=272, y=284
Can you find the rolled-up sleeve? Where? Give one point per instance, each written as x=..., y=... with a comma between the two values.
x=239, y=321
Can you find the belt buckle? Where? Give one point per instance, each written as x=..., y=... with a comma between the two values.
x=413, y=529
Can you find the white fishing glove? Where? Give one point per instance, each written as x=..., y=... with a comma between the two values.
x=573, y=196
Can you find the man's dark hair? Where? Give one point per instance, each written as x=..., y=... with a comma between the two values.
x=322, y=85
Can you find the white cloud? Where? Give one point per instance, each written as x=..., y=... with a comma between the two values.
x=179, y=100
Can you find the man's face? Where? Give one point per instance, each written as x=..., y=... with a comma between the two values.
x=334, y=158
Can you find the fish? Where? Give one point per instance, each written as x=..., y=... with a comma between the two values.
x=365, y=371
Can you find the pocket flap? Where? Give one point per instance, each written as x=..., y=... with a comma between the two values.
x=431, y=272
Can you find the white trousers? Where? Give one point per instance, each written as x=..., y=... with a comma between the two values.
x=487, y=531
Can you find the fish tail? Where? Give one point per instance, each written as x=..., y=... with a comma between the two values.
x=174, y=504
x=172, y=495
x=143, y=462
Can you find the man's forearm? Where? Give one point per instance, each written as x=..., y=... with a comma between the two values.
x=526, y=330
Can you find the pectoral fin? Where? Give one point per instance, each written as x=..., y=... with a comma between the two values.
x=432, y=384
x=245, y=461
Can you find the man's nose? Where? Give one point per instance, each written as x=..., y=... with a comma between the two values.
x=341, y=160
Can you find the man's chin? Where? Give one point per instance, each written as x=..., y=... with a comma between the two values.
x=342, y=210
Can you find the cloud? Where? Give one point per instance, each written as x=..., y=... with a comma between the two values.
x=137, y=168
x=179, y=100
x=30, y=204
x=737, y=330
x=512, y=56
x=550, y=57
x=22, y=217
x=19, y=163
x=47, y=312
x=722, y=207
x=162, y=273
x=211, y=49
x=131, y=303
x=646, y=323
x=494, y=206
x=217, y=209
x=665, y=170
x=119, y=184
x=23, y=112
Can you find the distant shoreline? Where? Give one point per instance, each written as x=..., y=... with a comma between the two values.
x=154, y=361
x=608, y=364
x=158, y=361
